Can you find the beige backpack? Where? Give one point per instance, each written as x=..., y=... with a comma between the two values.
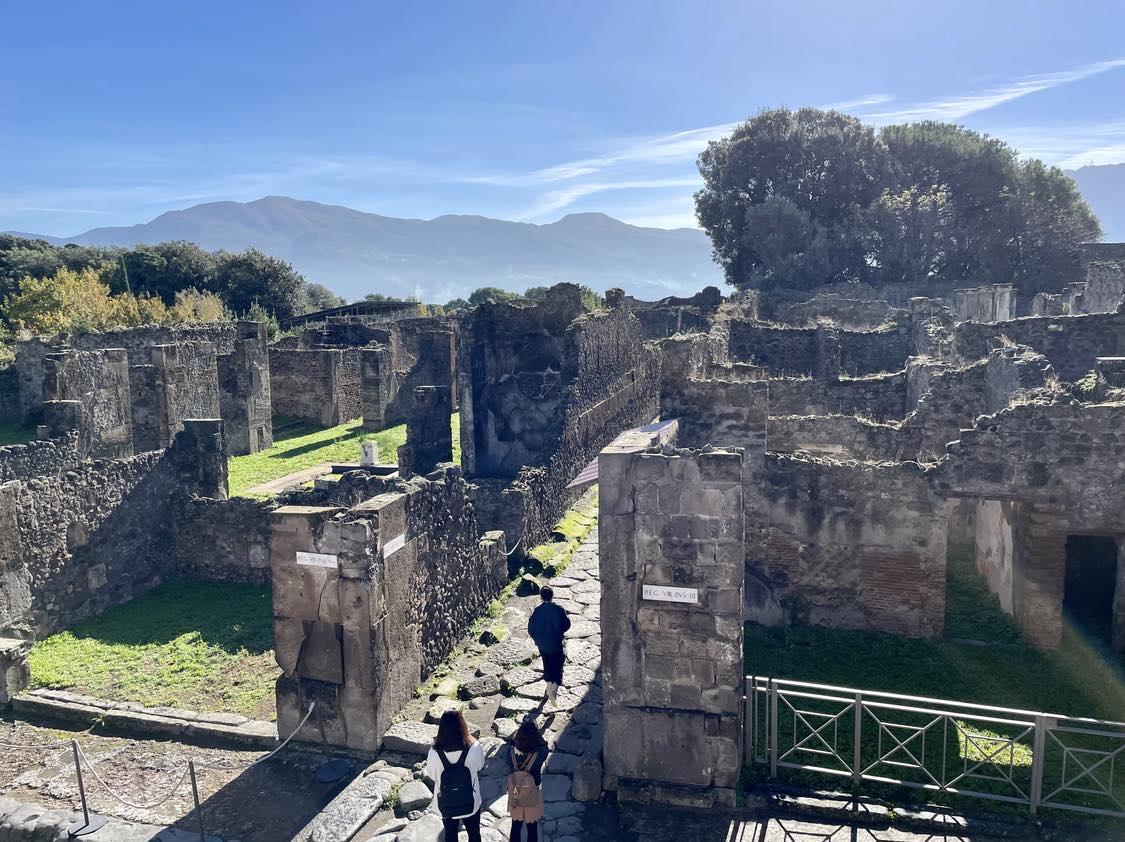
x=525, y=801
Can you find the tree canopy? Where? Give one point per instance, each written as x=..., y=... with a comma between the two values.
x=181, y=277
x=798, y=199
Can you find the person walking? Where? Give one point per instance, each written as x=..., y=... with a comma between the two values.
x=454, y=765
x=526, y=753
x=547, y=625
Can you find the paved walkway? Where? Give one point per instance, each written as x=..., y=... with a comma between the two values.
x=501, y=685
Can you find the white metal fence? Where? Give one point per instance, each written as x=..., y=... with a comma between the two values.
x=1017, y=756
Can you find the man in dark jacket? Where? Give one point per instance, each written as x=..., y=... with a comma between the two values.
x=547, y=626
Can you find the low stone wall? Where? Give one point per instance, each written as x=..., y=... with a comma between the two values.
x=48, y=457
x=880, y=397
x=75, y=544
x=1071, y=343
x=842, y=437
x=222, y=540
x=855, y=314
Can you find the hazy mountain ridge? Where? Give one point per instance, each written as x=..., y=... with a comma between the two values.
x=1104, y=190
x=353, y=252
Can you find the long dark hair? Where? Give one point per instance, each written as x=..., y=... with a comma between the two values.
x=528, y=738
x=453, y=732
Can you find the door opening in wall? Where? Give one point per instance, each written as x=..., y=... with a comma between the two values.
x=1091, y=576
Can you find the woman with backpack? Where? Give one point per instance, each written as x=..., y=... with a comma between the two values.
x=454, y=765
x=526, y=754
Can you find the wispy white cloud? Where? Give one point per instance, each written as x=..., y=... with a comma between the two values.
x=860, y=102
x=956, y=107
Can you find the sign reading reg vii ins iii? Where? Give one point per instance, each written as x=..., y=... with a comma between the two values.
x=665, y=593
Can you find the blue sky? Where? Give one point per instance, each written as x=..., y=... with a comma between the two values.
x=114, y=112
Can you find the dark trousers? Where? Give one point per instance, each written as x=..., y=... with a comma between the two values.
x=552, y=667
x=472, y=826
x=532, y=831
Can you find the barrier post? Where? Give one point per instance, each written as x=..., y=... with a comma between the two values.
x=195, y=796
x=89, y=824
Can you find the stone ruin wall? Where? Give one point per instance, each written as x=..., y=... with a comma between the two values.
x=174, y=373
x=415, y=570
x=671, y=518
x=319, y=386
x=853, y=545
x=75, y=543
x=40, y=458
x=1071, y=343
x=97, y=385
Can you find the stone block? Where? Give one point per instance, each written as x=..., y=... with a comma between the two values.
x=410, y=738
x=587, y=784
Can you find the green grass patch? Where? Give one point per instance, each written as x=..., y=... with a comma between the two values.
x=14, y=432
x=197, y=645
x=298, y=445
x=552, y=558
x=983, y=659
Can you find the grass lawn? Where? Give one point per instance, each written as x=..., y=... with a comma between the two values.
x=15, y=433
x=197, y=645
x=983, y=658
x=298, y=445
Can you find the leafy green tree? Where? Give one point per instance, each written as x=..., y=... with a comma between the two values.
x=321, y=297
x=457, y=306
x=796, y=199
x=827, y=165
x=252, y=277
x=490, y=295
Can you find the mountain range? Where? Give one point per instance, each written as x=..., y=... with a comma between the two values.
x=354, y=253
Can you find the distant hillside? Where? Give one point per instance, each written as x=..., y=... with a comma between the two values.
x=354, y=253
x=1104, y=189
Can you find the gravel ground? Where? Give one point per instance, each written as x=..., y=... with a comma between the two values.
x=268, y=802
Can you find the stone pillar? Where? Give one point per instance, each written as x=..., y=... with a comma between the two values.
x=429, y=438
x=341, y=590
x=199, y=455
x=1039, y=574
x=14, y=673
x=156, y=418
x=671, y=539
x=244, y=391
x=1119, y=599
x=378, y=385
x=99, y=382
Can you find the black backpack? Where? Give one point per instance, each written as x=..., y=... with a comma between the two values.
x=455, y=795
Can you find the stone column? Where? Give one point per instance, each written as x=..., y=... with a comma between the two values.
x=429, y=438
x=671, y=540
x=377, y=385
x=244, y=391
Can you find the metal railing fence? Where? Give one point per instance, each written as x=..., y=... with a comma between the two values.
x=980, y=751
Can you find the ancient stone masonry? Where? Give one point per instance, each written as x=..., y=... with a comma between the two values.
x=543, y=388
x=98, y=382
x=9, y=394
x=245, y=401
x=1071, y=343
x=429, y=437
x=995, y=303
x=671, y=546
x=822, y=351
x=217, y=540
x=880, y=397
x=368, y=599
x=319, y=386
x=417, y=352
x=852, y=314
x=77, y=542
x=46, y=457
x=173, y=373
x=669, y=316
x=852, y=545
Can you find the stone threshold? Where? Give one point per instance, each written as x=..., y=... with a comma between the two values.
x=220, y=728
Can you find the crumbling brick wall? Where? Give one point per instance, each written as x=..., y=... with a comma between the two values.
x=880, y=397
x=854, y=545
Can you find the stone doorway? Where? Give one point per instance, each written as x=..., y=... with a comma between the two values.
x=1091, y=579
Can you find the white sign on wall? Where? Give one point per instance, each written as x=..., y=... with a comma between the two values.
x=394, y=545
x=665, y=593
x=317, y=560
